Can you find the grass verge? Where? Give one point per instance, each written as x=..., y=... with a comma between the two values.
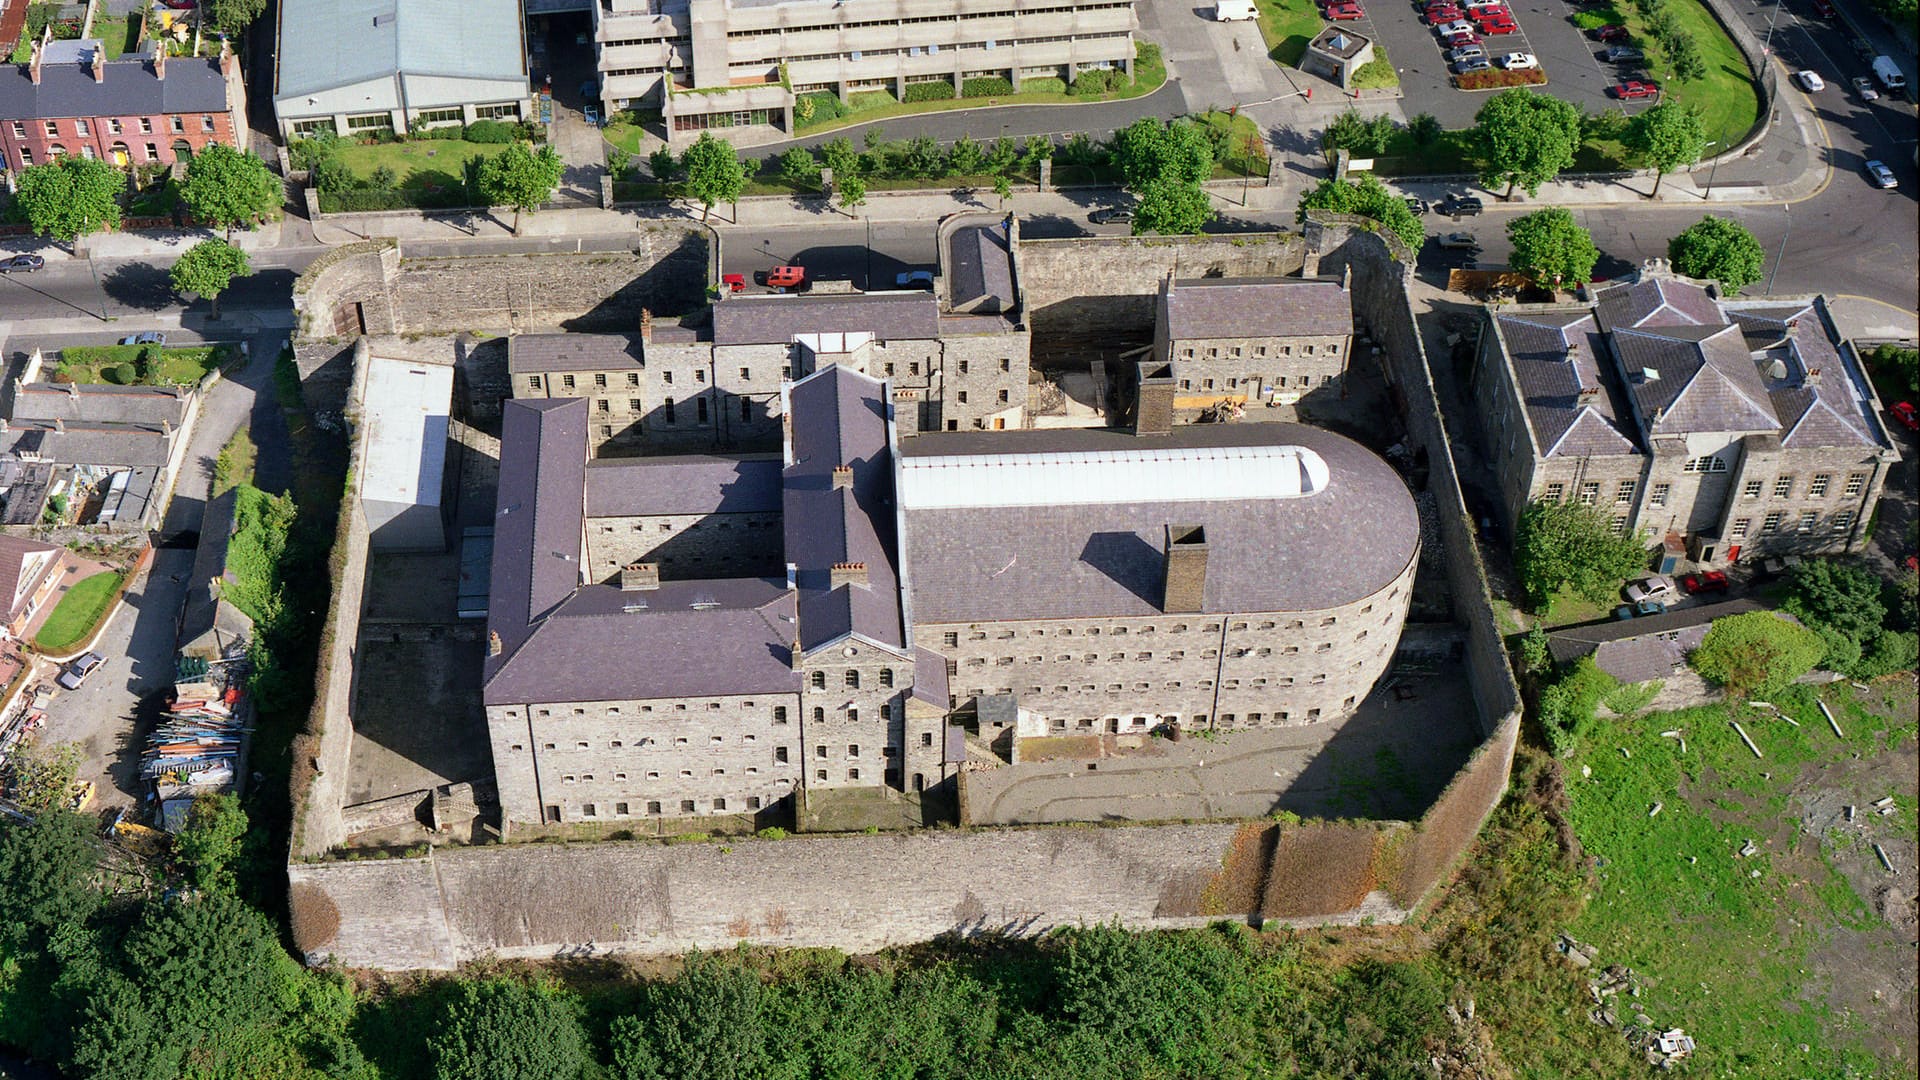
x=78, y=612
x=1286, y=26
x=1728, y=103
x=419, y=163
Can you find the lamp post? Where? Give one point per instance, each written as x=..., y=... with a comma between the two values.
x=1785, y=208
x=1713, y=169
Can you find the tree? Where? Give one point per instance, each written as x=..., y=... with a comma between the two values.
x=1169, y=205
x=1668, y=136
x=1718, y=249
x=1367, y=197
x=233, y=16
x=1683, y=53
x=499, y=1029
x=663, y=165
x=966, y=158
x=46, y=875
x=521, y=178
x=853, y=192
x=714, y=173
x=799, y=167
x=1357, y=135
x=707, y=1022
x=1570, y=546
x=1149, y=149
x=1525, y=139
x=1550, y=247
x=210, y=843
x=1757, y=652
x=839, y=155
x=1002, y=188
x=70, y=197
x=1841, y=595
x=207, y=268
x=228, y=188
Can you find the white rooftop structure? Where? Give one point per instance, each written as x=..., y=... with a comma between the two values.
x=404, y=418
x=1194, y=474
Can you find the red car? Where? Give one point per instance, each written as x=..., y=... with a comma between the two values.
x=1445, y=14
x=1823, y=9
x=1345, y=12
x=734, y=282
x=1462, y=39
x=1903, y=412
x=1489, y=13
x=1608, y=33
x=1634, y=89
x=1710, y=581
x=1503, y=27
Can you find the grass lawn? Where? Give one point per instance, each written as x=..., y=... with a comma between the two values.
x=178, y=366
x=1286, y=26
x=1725, y=96
x=420, y=163
x=1377, y=73
x=119, y=35
x=1242, y=135
x=78, y=612
x=1756, y=957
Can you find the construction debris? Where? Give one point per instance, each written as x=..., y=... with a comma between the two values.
x=1657, y=807
x=1828, y=713
x=197, y=746
x=1744, y=739
x=1884, y=861
x=1878, y=804
x=1749, y=849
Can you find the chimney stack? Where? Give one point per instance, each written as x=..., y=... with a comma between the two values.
x=160, y=59
x=33, y=64
x=227, y=61
x=1185, y=588
x=100, y=65
x=1153, y=399
x=59, y=425
x=842, y=477
x=646, y=326
x=640, y=577
x=494, y=647
x=846, y=573
x=1813, y=377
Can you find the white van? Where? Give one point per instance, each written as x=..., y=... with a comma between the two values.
x=1889, y=75
x=1234, y=10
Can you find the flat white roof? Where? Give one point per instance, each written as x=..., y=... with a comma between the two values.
x=1198, y=474
x=405, y=413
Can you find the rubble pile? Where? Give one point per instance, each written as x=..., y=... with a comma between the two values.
x=1616, y=990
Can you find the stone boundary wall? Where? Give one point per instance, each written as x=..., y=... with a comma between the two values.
x=349, y=274
x=1766, y=76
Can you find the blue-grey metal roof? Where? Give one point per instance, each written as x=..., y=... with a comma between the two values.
x=328, y=44
x=129, y=88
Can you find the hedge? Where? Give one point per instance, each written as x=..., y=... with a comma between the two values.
x=938, y=90
x=493, y=131
x=1495, y=80
x=817, y=108
x=991, y=86
x=360, y=200
x=1093, y=81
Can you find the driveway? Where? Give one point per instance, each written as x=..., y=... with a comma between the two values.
x=571, y=66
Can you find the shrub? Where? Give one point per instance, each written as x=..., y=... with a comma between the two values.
x=125, y=374
x=1425, y=130
x=992, y=86
x=306, y=153
x=1903, y=364
x=331, y=174
x=1756, y=653
x=493, y=131
x=1495, y=80
x=447, y=132
x=384, y=177
x=809, y=109
x=1093, y=81
x=937, y=90
x=1567, y=707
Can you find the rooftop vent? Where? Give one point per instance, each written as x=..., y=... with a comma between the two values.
x=1648, y=374
x=1777, y=369
x=842, y=476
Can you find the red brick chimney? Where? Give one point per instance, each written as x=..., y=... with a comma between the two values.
x=160, y=59
x=846, y=573
x=226, y=58
x=646, y=326
x=100, y=65
x=33, y=64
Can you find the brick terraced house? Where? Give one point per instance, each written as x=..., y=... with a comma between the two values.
x=1722, y=428
x=140, y=109
x=683, y=636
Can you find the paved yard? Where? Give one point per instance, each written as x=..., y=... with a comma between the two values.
x=1388, y=761
x=417, y=721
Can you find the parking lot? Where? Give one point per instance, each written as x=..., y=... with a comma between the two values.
x=1571, y=60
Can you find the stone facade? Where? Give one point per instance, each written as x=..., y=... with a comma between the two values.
x=685, y=545
x=1251, y=342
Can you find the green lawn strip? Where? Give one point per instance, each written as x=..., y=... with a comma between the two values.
x=419, y=163
x=1286, y=26
x=119, y=34
x=1242, y=134
x=1725, y=96
x=1715, y=941
x=78, y=612
x=1377, y=73
x=182, y=366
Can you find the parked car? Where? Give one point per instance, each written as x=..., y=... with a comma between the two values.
x=1460, y=206
x=1519, y=61
x=1823, y=9
x=1449, y=29
x=1904, y=412
x=22, y=264
x=1436, y=16
x=733, y=282
x=149, y=337
x=914, y=279
x=1864, y=87
x=1344, y=12
x=180, y=5
x=786, y=277
x=1489, y=13
x=1640, y=609
x=1634, y=89
x=1623, y=54
x=1810, y=81
x=1710, y=581
x=1779, y=565
x=1458, y=241
x=1608, y=33
x=1465, y=37
x=1417, y=205
x=1110, y=215
x=1882, y=176
x=1468, y=67
x=1466, y=52
x=1496, y=28
x=76, y=672
x=1651, y=587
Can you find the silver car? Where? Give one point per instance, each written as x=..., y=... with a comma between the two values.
x=1651, y=587
x=77, y=672
x=1882, y=176
x=1466, y=52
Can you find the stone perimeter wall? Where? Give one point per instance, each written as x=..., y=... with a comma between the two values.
x=865, y=892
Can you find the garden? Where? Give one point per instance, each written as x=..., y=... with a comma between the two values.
x=78, y=612
x=430, y=169
x=140, y=365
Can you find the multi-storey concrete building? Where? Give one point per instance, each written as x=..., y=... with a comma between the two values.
x=1252, y=341
x=722, y=64
x=1719, y=427
x=140, y=109
x=1211, y=577
x=671, y=387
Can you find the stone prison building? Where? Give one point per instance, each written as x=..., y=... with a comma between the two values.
x=711, y=634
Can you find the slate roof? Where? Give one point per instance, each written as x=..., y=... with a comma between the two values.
x=1656, y=301
x=573, y=352
x=537, y=518
x=1255, y=307
x=1650, y=647
x=1095, y=560
x=1554, y=353
x=129, y=88
x=101, y=403
x=86, y=443
x=692, y=484
x=1705, y=379
x=980, y=266
x=930, y=678
x=684, y=639
x=776, y=320
x=13, y=553
x=328, y=44
x=837, y=416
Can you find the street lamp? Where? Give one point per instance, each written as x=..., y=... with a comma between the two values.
x=1785, y=208
x=1712, y=170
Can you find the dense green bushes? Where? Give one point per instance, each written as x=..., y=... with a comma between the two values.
x=493, y=131
x=994, y=86
x=937, y=90
x=1866, y=626
x=1567, y=707
x=1756, y=653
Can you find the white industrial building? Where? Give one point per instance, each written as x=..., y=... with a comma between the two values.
x=403, y=471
